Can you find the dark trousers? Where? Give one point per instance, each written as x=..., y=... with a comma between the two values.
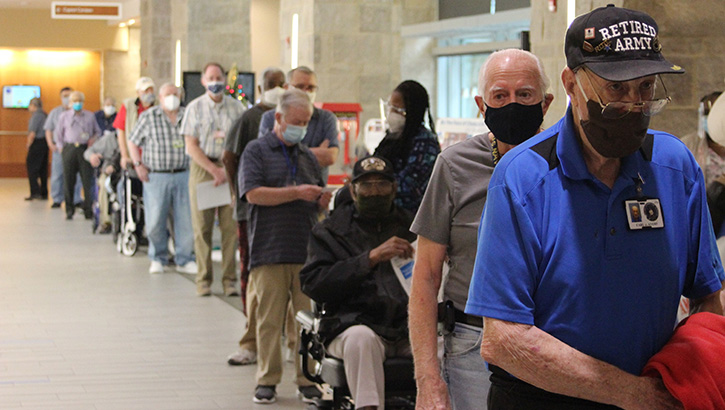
x=508, y=393
x=37, y=167
x=73, y=163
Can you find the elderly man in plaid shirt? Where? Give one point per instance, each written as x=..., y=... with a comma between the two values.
x=164, y=169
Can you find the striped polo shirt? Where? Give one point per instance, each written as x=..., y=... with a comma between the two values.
x=278, y=234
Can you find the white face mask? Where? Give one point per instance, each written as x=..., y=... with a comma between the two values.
x=171, y=102
x=312, y=96
x=109, y=110
x=271, y=97
x=396, y=122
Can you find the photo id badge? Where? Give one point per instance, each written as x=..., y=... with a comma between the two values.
x=219, y=136
x=644, y=214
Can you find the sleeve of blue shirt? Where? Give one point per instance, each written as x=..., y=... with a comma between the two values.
x=251, y=174
x=266, y=124
x=705, y=272
x=506, y=269
x=328, y=127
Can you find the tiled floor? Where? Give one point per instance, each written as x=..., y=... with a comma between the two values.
x=83, y=327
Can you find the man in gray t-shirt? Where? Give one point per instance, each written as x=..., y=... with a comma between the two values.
x=447, y=225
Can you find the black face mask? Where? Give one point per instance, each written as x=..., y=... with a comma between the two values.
x=614, y=138
x=514, y=123
x=374, y=206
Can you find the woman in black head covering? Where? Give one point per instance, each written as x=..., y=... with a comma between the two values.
x=408, y=144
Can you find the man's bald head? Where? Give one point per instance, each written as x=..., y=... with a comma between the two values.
x=512, y=60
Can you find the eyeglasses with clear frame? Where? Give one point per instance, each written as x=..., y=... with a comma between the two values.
x=618, y=109
x=393, y=108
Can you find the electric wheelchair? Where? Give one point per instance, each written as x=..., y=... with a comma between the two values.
x=400, y=387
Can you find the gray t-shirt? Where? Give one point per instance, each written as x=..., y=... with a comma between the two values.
x=36, y=123
x=451, y=209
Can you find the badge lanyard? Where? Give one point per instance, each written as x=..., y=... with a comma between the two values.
x=643, y=212
x=292, y=168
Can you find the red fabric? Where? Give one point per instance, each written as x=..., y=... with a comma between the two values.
x=692, y=363
x=120, y=122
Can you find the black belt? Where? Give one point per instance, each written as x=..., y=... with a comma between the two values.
x=462, y=317
x=449, y=315
x=212, y=159
x=78, y=144
x=170, y=171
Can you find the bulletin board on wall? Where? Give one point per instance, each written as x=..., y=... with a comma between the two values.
x=51, y=70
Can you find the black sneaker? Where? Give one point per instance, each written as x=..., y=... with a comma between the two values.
x=309, y=394
x=265, y=394
x=55, y=205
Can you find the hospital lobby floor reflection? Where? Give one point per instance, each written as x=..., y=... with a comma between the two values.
x=83, y=327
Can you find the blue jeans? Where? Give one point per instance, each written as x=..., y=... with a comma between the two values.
x=464, y=370
x=165, y=193
x=56, y=181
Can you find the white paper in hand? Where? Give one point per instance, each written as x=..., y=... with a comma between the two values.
x=404, y=269
x=210, y=196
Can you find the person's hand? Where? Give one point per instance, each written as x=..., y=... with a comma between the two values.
x=125, y=162
x=324, y=201
x=143, y=172
x=653, y=395
x=109, y=170
x=53, y=148
x=220, y=175
x=308, y=192
x=95, y=160
x=432, y=394
x=389, y=249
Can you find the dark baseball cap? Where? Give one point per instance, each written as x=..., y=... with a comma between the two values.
x=617, y=44
x=373, y=165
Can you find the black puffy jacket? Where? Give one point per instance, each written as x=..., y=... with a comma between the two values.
x=338, y=277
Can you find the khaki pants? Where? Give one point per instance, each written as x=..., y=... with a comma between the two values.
x=276, y=286
x=249, y=338
x=364, y=352
x=203, y=224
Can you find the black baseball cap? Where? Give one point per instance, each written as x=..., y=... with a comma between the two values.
x=373, y=165
x=617, y=44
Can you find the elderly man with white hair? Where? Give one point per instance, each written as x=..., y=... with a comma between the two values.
x=163, y=167
x=76, y=130
x=513, y=100
x=282, y=182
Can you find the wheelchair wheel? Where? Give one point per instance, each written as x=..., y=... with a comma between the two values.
x=129, y=243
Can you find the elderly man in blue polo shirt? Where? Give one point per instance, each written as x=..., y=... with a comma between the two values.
x=576, y=296
x=282, y=182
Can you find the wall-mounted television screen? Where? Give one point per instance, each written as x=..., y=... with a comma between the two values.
x=19, y=96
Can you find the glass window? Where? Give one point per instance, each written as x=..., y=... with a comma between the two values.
x=458, y=84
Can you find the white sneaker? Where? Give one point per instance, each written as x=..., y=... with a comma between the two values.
x=156, y=267
x=190, y=268
x=242, y=357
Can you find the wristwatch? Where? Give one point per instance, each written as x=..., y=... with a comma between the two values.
x=136, y=163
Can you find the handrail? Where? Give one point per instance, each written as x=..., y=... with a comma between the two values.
x=23, y=133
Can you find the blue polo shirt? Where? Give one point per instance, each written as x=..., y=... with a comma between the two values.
x=555, y=251
x=278, y=234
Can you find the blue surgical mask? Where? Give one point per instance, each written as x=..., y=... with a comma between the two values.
x=215, y=87
x=78, y=105
x=293, y=134
x=65, y=101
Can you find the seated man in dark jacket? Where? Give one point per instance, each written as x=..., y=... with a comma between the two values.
x=348, y=271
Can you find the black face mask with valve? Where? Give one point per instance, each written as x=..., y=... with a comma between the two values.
x=514, y=123
x=614, y=138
